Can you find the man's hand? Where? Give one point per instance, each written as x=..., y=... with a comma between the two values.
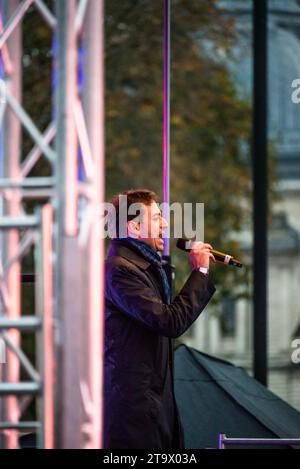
x=200, y=255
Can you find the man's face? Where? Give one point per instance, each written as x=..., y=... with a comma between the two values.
x=151, y=226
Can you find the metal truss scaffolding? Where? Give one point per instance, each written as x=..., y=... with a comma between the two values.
x=64, y=233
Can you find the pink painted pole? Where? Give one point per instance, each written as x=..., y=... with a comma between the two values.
x=48, y=346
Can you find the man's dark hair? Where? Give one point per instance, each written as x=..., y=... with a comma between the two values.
x=134, y=196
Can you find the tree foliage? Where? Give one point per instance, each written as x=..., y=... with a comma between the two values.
x=209, y=122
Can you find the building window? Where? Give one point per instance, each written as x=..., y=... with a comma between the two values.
x=228, y=318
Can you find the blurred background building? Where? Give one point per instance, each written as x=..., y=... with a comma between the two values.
x=228, y=332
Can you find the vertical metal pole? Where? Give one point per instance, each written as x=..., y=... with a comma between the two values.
x=68, y=83
x=94, y=114
x=44, y=337
x=222, y=438
x=79, y=269
x=47, y=345
x=260, y=189
x=2, y=173
x=12, y=170
x=67, y=279
x=166, y=139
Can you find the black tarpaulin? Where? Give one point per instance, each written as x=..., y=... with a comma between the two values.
x=216, y=397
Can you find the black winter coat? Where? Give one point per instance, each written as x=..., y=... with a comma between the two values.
x=139, y=403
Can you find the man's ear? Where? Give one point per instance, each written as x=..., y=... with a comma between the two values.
x=133, y=227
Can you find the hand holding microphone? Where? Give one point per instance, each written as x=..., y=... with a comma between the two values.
x=200, y=255
x=217, y=256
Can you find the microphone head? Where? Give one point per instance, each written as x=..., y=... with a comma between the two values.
x=184, y=244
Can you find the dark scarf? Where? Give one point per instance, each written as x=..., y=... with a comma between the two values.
x=146, y=251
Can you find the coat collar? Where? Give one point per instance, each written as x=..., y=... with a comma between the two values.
x=119, y=248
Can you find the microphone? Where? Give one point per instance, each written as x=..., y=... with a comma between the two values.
x=187, y=244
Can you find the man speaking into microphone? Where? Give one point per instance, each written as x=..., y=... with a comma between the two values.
x=140, y=410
